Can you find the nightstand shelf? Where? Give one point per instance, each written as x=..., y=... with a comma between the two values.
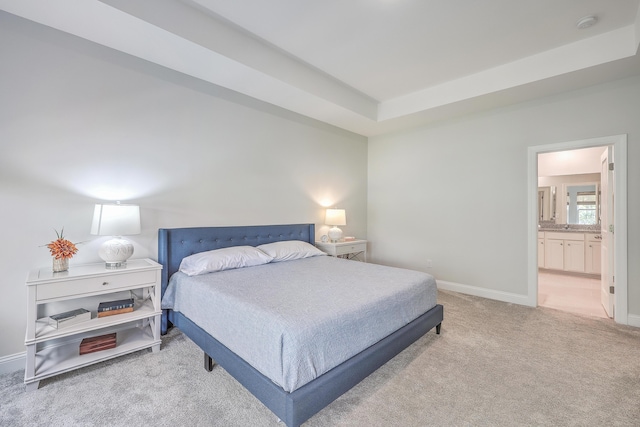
x=45, y=332
x=350, y=250
x=64, y=357
x=52, y=351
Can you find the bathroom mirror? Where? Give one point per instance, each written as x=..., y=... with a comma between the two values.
x=583, y=204
x=546, y=203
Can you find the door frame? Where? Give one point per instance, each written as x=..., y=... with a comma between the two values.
x=619, y=143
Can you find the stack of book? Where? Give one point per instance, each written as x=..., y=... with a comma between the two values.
x=109, y=308
x=69, y=318
x=102, y=342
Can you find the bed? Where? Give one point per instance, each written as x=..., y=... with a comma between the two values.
x=287, y=399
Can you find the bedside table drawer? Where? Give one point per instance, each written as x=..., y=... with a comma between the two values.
x=90, y=285
x=349, y=249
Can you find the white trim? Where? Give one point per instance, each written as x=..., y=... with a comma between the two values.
x=619, y=143
x=585, y=53
x=634, y=320
x=94, y=20
x=12, y=363
x=482, y=292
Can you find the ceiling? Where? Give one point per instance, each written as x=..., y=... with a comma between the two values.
x=571, y=162
x=367, y=66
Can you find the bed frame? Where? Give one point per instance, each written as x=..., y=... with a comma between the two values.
x=296, y=407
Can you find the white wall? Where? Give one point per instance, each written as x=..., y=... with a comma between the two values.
x=80, y=124
x=456, y=192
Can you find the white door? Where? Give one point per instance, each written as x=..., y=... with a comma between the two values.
x=607, y=229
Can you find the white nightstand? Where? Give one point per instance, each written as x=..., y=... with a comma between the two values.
x=350, y=250
x=53, y=351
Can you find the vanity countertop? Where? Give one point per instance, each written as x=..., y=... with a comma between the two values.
x=570, y=230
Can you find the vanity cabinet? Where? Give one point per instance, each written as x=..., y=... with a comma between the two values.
x=554, y=254
x=593, y=254
x=574, y=255
x=541, y=263
x=574, y=252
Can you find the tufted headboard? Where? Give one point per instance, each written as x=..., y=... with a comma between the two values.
x=177, y=243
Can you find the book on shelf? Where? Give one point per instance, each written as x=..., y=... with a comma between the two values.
x=69, y=318
x=112, y=312
x=101, y=342
x=115, y=305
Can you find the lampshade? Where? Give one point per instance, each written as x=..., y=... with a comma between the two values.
x=335, y=217
x=116, y=220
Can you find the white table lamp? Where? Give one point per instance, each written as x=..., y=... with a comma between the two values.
x=116, y=220
x=335, y=217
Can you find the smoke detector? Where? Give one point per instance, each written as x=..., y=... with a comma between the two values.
x=586, y=22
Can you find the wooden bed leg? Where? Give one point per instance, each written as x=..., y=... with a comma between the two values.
x=208, y=363
x=438, y=326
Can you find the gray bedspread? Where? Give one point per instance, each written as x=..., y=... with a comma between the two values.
x=295, y=320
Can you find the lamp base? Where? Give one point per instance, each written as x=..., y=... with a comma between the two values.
x=335, y=234
x=115, y=265
x=115, y=252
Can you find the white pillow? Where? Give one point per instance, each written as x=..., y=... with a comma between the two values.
x=223, y=259
x=290, y=249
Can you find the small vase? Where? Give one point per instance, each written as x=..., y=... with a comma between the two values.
x=60, y=264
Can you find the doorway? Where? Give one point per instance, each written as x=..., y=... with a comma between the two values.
x=570, y=207
x=618, y=240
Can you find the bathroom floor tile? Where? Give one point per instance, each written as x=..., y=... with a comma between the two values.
x=572, y=293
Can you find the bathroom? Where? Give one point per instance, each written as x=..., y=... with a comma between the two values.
x=571, y=202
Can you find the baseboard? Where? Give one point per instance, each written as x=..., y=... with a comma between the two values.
x=484, y=293
x=12, y=363
x=633, y=320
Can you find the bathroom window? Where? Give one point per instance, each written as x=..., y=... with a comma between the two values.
x=586, y=207
x=582, y=203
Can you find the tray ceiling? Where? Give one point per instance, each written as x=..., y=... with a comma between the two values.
x=367, y=66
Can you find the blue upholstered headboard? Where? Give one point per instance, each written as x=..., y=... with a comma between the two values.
x=177, y=243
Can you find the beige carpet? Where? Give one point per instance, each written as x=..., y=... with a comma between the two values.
x=495, y=364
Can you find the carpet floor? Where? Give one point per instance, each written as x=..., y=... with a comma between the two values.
x=495, y=364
